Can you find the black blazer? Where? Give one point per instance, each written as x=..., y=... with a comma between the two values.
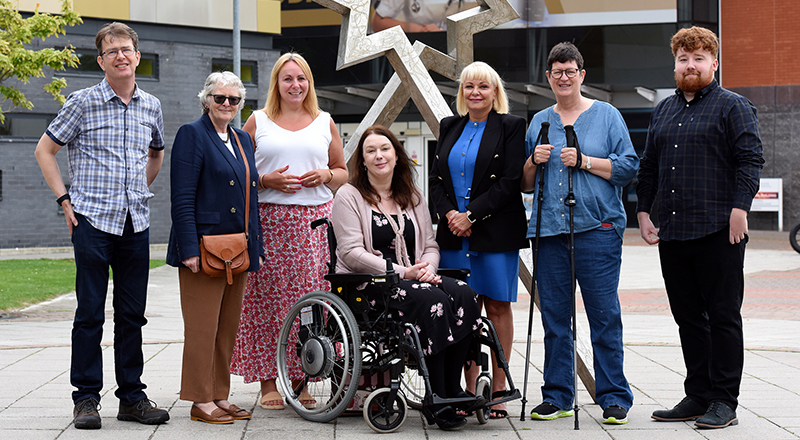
x=495, y=198
x=208, y=189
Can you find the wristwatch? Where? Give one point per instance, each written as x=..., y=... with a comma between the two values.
x=470, y=217
x=588, y=163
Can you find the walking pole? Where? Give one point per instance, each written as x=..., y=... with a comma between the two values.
x=543, y=136
x=572, y=142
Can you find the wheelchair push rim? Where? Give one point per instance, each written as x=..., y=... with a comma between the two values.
x=319, y=337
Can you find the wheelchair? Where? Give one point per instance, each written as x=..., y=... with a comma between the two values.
x=342, y=347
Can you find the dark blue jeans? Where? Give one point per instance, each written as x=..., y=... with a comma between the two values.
x=705, y=285
x=128, y=256
x=598, y=258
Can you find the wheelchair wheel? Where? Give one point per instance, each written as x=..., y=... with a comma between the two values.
x=384, y=416
x=794, y=236
x=320, y=337
x=413, y=386
x=484, y=388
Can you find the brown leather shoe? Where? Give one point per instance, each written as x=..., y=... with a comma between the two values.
x=237, y=413
x=217, y=417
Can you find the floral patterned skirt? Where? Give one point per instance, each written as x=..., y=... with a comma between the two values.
x=442, y=315
x=294, y=266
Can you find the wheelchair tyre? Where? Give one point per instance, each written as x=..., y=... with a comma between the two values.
x=328, y=349
x=794, y=237
x=483, y=388
x=384, y=416
x=413, y=386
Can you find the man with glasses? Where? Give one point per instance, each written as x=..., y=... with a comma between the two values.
x=701, y=166
x=114, y=136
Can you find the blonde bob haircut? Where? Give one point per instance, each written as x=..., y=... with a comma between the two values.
x=273, y=106
x=482, y=71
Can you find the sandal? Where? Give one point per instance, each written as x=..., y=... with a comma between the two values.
x=307, y=400
x=271, y=400
x=498, y=413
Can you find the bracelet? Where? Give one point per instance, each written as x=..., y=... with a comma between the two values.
x=331, y=171
x=61, y=199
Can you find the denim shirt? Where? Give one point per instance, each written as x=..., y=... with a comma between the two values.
x=601, y=133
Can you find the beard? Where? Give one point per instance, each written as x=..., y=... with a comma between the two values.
x=692, y=84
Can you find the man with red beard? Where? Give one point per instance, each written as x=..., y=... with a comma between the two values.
x=701, y=168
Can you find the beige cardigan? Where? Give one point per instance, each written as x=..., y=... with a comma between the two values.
x=352, y=223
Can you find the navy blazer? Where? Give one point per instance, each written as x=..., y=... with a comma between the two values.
x=208, y=190
x=495, y=197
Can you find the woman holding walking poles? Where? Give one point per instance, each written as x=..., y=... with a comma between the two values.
x=474, y=186
x=600, y=168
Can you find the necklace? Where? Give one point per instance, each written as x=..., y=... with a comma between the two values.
x=227, y=139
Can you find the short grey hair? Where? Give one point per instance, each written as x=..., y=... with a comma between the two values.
x=221, y=79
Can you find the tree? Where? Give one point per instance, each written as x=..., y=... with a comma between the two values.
x=17, y=61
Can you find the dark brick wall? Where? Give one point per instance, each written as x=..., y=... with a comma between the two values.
x=28, y=215
x=779, y=123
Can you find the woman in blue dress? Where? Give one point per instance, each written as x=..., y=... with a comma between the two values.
x=474, y=186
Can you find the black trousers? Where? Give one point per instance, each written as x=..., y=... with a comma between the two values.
x=705, y=285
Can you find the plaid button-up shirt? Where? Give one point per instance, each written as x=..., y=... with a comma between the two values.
x=702, y=159
x=108, y=144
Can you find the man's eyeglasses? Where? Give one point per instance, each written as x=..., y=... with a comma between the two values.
x=232, y=100
x=112, y=53
x=557, y=74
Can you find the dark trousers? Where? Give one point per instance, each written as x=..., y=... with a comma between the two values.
x=705, y=285
x=128, y=256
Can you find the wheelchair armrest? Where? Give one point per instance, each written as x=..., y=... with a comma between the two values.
x=459, y=274
x=349, y=278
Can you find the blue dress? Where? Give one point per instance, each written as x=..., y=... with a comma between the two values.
x=493, y=274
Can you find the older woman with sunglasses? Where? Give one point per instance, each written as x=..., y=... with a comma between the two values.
x=209, y=185
x=300, y=161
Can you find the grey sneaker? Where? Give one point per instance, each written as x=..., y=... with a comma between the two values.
x=144, y=411
x=86, y=414
x=615, y=415
x=548, y=411
x=719, y=415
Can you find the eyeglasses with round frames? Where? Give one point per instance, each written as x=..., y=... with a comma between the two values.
x=232, y=100
x=557, y=74
x=112, y=53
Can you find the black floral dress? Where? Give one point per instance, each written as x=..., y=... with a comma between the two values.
x=442, y=314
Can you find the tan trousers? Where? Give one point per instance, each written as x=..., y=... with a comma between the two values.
x=211, y=310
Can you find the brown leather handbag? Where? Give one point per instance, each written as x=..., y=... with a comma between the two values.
x=226, y=255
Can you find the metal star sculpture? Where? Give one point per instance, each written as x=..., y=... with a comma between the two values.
x=411, y=63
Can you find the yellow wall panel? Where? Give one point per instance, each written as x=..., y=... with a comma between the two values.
x=310, y=17
x=49, y=6
x=269, y=16
x=112, y=10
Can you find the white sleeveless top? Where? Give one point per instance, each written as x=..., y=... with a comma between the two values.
x=303, y=150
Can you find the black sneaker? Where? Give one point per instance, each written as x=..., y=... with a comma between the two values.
x=615, y=415
x=144, y=412
x=86, y=414
x=686, y=410
x=719, y=415
x=548, y=411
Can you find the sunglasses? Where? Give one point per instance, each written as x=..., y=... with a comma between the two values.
x=232, y=100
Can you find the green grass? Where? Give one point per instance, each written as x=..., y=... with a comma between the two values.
x=26, y=282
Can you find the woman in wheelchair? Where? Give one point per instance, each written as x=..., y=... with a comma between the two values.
x=381, y=214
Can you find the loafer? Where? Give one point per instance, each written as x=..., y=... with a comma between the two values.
x=144, y=412
x=686, y=410
x=719, y=415
x=86, y=414
x=217, y=417
x=447, y=419
x=237, y=413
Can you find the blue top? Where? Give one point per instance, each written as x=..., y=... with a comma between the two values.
x=602, y=133
x=702, y=159
x=462, y=161
x=108, y=143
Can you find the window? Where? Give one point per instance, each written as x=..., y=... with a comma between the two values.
x=250, y=105
x=25, y=124
x=249, y=72
x=148, y=64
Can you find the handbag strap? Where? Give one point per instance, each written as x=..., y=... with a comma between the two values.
x=246, y=185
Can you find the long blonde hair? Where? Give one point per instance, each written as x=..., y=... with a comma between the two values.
x=273, y=105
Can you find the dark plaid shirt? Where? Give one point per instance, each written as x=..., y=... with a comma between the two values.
x=702, y=159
